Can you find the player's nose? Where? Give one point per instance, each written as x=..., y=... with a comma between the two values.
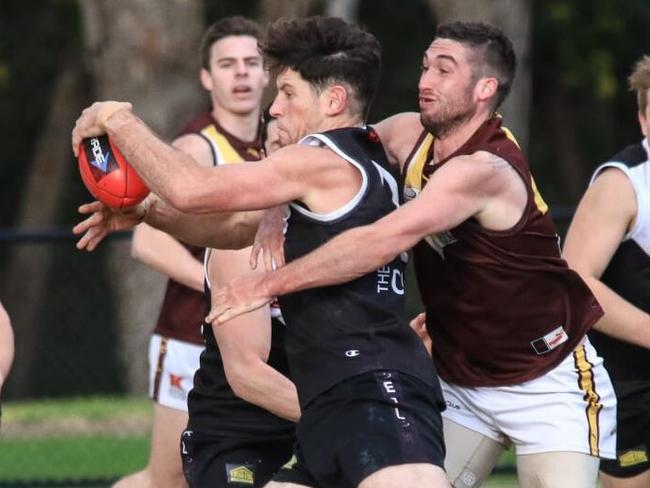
x=241, y=68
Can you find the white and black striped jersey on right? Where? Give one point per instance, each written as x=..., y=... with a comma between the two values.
x=628, y=272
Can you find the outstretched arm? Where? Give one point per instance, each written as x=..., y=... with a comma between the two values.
x=223, y=230
x=454, y=193
x=603, y=217
x=175, y=178
x=162, y=252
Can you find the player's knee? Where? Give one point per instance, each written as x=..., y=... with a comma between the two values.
x=470, y=457
x=552, y=469
x=427, y=475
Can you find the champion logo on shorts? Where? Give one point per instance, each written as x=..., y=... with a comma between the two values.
x=550, y=341
x=240, y=474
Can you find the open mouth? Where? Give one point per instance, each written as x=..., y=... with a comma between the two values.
x=242, y=90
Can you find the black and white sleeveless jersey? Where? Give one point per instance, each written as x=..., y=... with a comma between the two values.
x=213, y=407
x=337, y=332
x=628, y=272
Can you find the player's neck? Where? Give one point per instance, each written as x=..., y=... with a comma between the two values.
x=452, y=141
x=342, y=120
x=244, y=127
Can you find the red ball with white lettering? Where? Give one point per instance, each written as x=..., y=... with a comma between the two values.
x=107, y=174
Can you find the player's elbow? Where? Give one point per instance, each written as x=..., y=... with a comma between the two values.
x=182, y=198
x=240, y=374
x=137, y=249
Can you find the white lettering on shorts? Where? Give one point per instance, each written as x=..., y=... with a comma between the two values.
x=391, y=394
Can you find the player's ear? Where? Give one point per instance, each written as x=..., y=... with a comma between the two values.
x=486, y=88
x=206, y=79
x=336, y=100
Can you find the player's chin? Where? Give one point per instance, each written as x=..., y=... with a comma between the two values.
x=245, y=106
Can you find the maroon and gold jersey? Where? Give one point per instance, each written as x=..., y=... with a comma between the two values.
x=502, y=306
x=183, y=308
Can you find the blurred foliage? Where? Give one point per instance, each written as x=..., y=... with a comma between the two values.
x=582, y=53
x=36, y=36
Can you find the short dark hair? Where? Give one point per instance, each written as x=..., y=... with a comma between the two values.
x=497, y=56
x=326, y=51
x=228, y=26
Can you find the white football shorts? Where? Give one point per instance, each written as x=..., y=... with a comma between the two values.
x=570, y=408
x=172, y=364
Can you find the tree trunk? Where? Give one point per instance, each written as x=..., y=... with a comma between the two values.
x=270, y=10
x=24, y=286
x=145, y=52
x=514, y=17
x=346, y=9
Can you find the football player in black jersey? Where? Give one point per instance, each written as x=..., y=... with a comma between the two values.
x=369, y=395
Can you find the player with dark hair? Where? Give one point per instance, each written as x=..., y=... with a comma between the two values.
x=238, y=381
x=608, y=243
x=358, y=366
x=507, y=317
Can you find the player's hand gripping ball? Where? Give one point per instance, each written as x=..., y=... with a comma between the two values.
x=107, y=175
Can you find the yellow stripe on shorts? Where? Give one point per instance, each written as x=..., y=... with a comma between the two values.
x=588, y=386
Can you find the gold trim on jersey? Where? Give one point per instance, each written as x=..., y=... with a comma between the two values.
x=588, y=386
x=225, y=153
x=415, y=167
x=539, y=201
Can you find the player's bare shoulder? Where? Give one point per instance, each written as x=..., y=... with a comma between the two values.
x=399, y=134
x=612, y=184
x=308, y=162
x=197, y=147
x=485, y=173
x=492, y=161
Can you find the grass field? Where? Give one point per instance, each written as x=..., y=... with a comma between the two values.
x=90, y=438
x=76, y=438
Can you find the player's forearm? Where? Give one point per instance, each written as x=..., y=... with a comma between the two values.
x=260, y=384
x=622, y=320
x=168, y=172
x=227, y=230
x=166, y=255
x=346, y=257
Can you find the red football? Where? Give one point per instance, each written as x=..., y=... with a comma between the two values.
x=107, y=175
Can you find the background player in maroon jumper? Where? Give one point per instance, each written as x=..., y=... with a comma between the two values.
x=608, y=243
x=506, y=315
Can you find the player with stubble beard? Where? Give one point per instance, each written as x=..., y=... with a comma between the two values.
x=506, y=315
